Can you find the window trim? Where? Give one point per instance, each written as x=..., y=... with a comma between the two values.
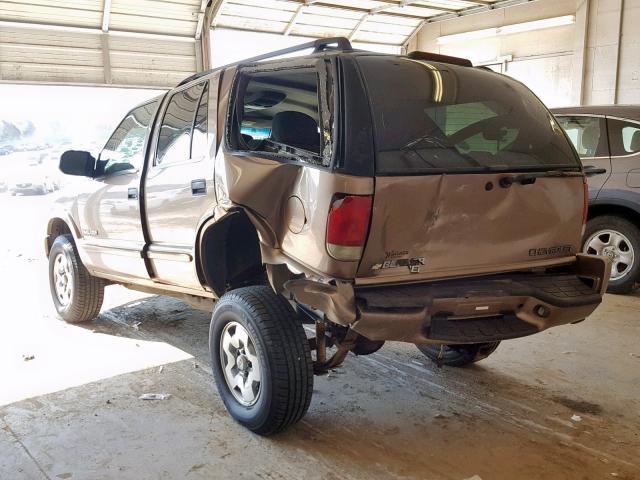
x=147, y=137
x=163, y=110
x=286, y=65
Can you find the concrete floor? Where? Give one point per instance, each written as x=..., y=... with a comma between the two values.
x=73, y=410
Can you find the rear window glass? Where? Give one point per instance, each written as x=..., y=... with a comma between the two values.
x=446, y=118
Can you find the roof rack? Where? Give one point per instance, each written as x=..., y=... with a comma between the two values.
x=320, y=45
x=436, y=57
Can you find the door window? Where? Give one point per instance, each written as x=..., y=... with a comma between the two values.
x=588, y=135
x=184, y=126
x=199, y=139
x=125, y=148
x=624, y=137
x=278, y=113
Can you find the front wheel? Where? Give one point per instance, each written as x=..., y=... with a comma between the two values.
x=458, y=355
x=261, y=359
x=76, y=294
x=619, y=239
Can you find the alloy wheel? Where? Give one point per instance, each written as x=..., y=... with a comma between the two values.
x=240, y=363
x=616, y=246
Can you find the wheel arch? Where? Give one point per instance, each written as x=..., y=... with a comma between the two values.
x=58, y=226
x=229, y=250
x=620, y=209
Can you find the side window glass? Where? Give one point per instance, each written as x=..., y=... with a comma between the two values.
x=278, y=112
x=624, y=137
x=125, y=148
x=174, y=139
x=587, y=134
x=199, y=140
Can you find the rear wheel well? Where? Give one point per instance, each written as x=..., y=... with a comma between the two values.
x=229, y=254
x=615, y=210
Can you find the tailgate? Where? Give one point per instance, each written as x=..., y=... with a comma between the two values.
x=439, y=226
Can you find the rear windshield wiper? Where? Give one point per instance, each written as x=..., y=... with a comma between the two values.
x=529, y=178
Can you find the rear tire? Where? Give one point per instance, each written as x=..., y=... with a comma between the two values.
x=261, y=359
x=629, y=236
x=76, y=294
x=458, y=355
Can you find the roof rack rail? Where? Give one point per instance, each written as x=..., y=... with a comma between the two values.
x=436, y=57
x=320, y=45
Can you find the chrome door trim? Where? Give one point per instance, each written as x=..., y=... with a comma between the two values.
x=172, y=253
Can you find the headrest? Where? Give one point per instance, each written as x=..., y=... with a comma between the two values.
x=591, y=138
x=296, y=129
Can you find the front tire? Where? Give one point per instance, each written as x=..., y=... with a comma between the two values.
x=619, y=239
x=76, y=294
x=458, y=355
x=261, y=359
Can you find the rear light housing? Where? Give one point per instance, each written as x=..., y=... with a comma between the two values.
x=348, y=226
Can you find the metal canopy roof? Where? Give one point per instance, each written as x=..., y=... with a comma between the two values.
x=388, y=22
x=150, y=43
x=157, y=43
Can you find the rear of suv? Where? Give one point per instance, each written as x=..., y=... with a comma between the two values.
x=380, y=197
x=607, y=138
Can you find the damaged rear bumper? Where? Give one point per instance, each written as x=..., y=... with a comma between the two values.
x=469, y=310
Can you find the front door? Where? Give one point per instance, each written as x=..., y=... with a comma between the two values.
x=179, y=191
x=110, y=213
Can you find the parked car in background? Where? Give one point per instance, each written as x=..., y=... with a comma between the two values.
x=3, y=186
x=607, y=139
x=31, y=181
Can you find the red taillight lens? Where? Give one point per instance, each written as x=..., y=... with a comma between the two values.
x=347, y=226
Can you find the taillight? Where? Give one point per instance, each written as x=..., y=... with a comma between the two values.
x=347, y=226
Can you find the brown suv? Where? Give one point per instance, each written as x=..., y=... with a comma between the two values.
x=380, y=197
x=607, y=138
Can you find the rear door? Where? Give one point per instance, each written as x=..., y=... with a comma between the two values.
x=589, y=135
x=452, y=146
x=179, y=191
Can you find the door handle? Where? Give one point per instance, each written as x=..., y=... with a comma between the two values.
x=132, y=194
x=199, y=187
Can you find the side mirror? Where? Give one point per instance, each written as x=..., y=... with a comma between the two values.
x=75, y=162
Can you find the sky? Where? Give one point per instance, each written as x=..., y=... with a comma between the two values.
x=77, y=113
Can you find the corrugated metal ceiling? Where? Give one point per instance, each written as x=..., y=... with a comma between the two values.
x=148, y=43
x=156, y=43
x=388, y=22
